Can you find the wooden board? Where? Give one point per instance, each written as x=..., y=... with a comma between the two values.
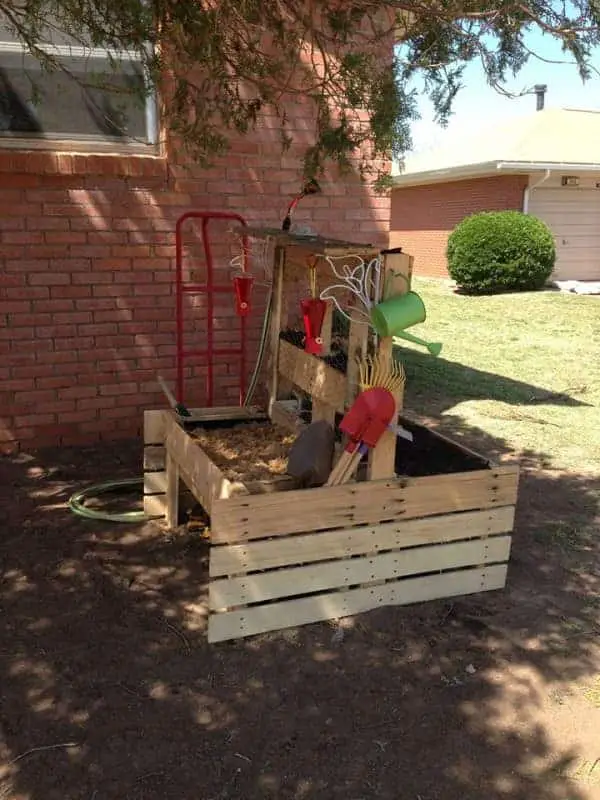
x=312, y=375
x=241, y=519
x=328, y=545
x=294, y=581
x=223, y=413
x=415, y=419
x=338, y=604
x=397, y=273
x=321, y=410
x=201, y=475
x=313, y=245
x=282, y=416
x=155, y=476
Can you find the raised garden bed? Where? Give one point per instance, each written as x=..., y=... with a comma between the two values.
x=424, y=519
x=282, y=556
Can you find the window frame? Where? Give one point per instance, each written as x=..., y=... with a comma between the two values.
x=89, y=143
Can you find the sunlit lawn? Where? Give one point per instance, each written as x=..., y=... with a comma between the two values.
x=524, y=368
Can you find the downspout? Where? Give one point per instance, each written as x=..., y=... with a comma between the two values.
x=528, y=190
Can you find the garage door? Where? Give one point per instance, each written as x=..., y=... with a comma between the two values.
x=573, y=216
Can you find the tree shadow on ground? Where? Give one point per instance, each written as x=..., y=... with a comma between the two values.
x=451, y=382
x=104, y=662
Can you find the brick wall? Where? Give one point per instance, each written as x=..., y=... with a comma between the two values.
x=87, y=310
x=422, y=217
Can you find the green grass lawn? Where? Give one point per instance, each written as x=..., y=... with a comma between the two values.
x=519, y=372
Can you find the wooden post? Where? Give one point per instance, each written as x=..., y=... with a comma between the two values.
x=276, y=317
x=172, y=492
x=322, y=410
x=383, y=456
x=155, y=482
x=396, y=279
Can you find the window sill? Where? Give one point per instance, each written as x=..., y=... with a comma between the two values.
x=75, y=158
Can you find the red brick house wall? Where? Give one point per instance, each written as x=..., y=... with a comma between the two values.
x=87, y=309
x=422, y=217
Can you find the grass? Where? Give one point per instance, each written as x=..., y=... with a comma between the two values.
x=524, y=368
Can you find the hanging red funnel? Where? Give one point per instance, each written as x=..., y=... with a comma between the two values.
x=313, y=312
x=242, y=285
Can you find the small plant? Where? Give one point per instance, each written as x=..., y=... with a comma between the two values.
x=500, y=251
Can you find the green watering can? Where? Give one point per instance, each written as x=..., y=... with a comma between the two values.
x=394, y=315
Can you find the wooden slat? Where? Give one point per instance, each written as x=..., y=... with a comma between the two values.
x=312, y=547
x=311, y=245
x=154, y=427
x=201, y=475
x=281, y=583
x=396, y=265
x=338, y=604
x=155, y=482
x=280, y=415
x=415, y=419
x=215, y=414
x=155, y=505
x=154, y=457
x=312, y=375
x=298, y=511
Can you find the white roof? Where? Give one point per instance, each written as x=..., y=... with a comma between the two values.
x=553, y=138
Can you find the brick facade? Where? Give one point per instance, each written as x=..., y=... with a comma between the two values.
x=422, y=217
x=87, y=308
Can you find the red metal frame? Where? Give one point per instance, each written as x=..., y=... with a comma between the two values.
x=209, y=288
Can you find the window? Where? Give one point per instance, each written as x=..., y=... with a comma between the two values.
x=94, y=100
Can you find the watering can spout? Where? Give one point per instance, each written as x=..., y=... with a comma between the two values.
x=435, y=348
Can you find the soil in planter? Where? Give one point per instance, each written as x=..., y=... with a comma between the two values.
x=427, y=454
x=248, y=451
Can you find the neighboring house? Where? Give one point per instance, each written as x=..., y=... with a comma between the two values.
x=547, y=164
x=87, y=248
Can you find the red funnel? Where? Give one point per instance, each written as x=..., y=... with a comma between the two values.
x=242, y=285
x=313, y=312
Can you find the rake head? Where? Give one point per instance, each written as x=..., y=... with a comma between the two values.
x=378, y=371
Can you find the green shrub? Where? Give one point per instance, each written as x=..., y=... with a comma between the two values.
x=500, y=251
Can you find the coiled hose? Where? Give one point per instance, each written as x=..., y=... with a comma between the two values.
x=77, y=502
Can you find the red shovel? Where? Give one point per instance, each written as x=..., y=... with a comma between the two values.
x=365, y=423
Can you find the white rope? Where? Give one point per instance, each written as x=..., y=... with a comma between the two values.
x=362, y=281
x=257, y=255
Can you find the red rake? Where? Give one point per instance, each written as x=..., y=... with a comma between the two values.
x=365, y=423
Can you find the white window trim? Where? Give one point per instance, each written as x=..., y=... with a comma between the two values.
x=86, y=144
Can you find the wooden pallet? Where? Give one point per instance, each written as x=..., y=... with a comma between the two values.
x=289, y=557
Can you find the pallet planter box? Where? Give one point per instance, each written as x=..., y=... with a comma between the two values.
x=281, y=556
x=284, y=558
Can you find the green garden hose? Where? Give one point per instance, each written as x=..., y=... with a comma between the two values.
x=76, y=502
x=262, y=348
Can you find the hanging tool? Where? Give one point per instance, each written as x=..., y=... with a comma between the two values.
x=313, y=312
x=311, y=187
x=179, y=408
x=365, y=423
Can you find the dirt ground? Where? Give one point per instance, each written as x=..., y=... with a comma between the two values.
x=109, y=690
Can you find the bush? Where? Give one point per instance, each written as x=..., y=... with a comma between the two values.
x=500, y=251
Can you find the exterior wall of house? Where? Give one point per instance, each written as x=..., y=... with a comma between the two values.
x=422, y=217
x=87, y=247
